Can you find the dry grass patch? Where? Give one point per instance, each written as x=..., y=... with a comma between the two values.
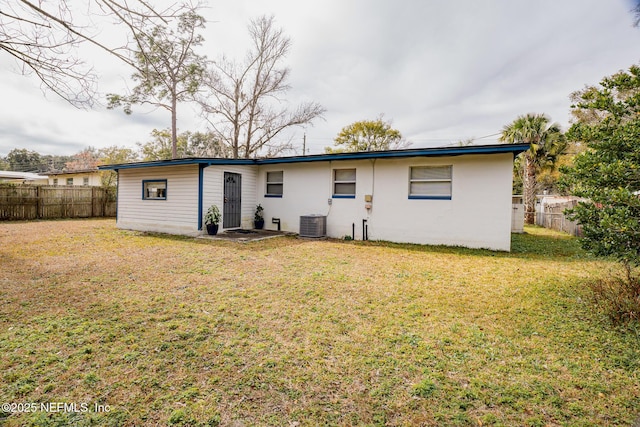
x=175, y=331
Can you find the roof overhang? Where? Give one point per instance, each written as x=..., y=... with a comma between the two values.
x=74, y=172
x=514, y=149
x=21, y=175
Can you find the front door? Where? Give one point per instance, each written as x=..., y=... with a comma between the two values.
x=232, y=200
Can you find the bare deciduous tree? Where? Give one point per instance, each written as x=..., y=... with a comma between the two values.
x=244, y=106
x=44, y=38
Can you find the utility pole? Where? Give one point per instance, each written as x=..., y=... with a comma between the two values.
x=304, y=144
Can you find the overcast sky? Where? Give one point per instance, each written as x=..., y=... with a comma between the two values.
x=440, y=71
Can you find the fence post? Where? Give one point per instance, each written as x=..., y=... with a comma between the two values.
x=38, y=203
x=93, y=201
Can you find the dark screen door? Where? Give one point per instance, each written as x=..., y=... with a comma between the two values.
x=232, y=200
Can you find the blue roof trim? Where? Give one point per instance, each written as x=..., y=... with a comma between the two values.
x=186, y=161
x=414, y=152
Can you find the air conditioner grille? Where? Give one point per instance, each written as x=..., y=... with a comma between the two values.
x=313, y=226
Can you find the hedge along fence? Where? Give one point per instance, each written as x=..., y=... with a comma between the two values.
x=24, y=202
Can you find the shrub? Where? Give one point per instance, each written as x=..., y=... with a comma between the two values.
x=618, y=297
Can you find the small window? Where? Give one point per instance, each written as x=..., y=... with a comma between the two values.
x=85, y=181
x=430, y=182
x=154, y=190
x=274, y=184
x=55, y=181
x=69, y=181
x=344, y=183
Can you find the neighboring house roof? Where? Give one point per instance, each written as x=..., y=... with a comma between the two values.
x=413, y=152
x=73, y=172
x=21, y=175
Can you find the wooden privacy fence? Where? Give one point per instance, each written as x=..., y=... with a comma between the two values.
x=554, y=217
x=23, y=202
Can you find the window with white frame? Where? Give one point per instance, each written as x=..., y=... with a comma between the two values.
x=85, y=181
x=154, y=189
x=69, y=181
x=55, y=181
x=275, y=181
x=344, y=183
x=430, y=182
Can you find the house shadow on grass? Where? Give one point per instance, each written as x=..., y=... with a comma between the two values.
x=535, y=243
x=257, y=239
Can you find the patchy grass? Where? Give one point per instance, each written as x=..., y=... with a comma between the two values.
x=164, y=330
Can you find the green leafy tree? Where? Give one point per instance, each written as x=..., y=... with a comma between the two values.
x=161, y=147
x=54, y=163
x=205, y=144
x=114, y=155
x=244, y=101
x=189, y=144
x=367, y=135
x=607, y=173
x=168, y=69
x=23, y=160
x=547, y=143
x=548, y=178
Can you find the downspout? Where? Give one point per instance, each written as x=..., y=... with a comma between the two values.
x=373, y=176
x=330, y=199
x=369, y=202
x=200, y=193
x=117, y=193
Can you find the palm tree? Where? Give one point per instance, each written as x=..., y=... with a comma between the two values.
x=547, y=143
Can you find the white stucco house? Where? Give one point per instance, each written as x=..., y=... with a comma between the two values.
x=451, y=196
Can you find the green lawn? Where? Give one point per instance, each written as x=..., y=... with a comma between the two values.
x=163, y=330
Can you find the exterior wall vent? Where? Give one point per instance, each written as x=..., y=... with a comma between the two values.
x=313, y=226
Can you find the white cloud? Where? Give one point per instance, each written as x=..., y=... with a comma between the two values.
x=441, y=71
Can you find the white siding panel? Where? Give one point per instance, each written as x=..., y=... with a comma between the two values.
x=178, y=214
x=213, y=190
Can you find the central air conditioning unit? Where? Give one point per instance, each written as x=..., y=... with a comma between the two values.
x=313, y=226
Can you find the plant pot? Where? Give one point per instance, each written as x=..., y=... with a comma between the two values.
x=258, y=225
x=212, y=229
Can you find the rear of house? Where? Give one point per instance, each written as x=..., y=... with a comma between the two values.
x=463, y=200
x=451, y=196
x=88, y=177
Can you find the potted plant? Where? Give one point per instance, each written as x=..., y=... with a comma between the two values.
x=258, y=218
x=212, y=219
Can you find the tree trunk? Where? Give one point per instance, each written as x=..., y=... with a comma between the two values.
x=529, y=190
x=174, y=128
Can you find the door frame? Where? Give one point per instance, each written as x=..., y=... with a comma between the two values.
x=232, y=200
